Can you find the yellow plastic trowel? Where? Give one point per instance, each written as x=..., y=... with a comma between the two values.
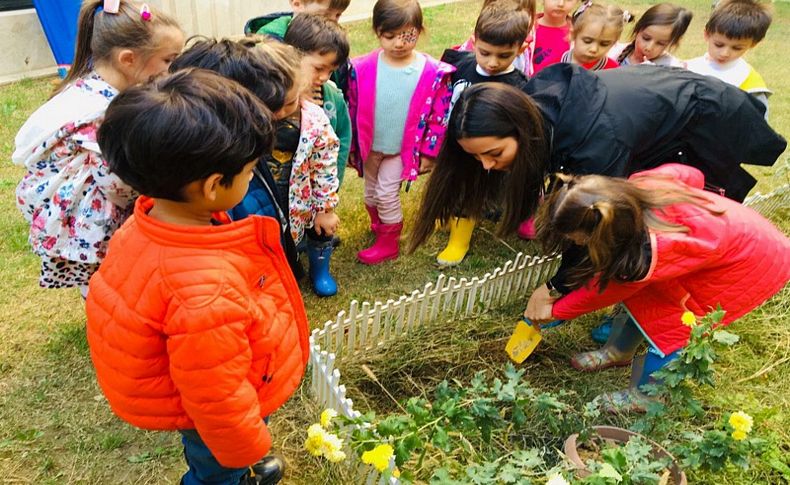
x=526, y=337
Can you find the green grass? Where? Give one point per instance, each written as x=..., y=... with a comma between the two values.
x=55, y=426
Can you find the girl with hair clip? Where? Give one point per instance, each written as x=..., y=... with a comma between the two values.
x=656, y=34
x=662, y=246
x=69, y=197
x=395, y=140
x=596, y=29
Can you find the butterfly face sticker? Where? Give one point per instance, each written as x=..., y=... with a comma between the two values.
x=408, y=36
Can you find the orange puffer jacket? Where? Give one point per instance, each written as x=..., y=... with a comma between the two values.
x=198, y=327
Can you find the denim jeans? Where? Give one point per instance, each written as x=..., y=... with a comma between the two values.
x=204, y=469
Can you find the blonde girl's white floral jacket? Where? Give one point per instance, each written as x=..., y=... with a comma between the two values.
x=313, y=185
x=68, y=195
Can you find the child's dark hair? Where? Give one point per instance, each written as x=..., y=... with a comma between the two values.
x=391, y=15
x=610, y=15
x=242, y=62
x=99, y=33
x=310, y=33
x=740, y=19
x=661, y=14
x=184, y=127
x=341, y=5
x=615, y=214
x=503, y=24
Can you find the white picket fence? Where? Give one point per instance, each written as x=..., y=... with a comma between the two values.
x=772, y=203
x=367, y=327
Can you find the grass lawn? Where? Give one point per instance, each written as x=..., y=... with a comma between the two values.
x=55, y=426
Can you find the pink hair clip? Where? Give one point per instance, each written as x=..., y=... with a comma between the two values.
x=584, y=6
x=111, y=6
x=145, y=12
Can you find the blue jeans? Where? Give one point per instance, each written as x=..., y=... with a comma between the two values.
x=204, y=469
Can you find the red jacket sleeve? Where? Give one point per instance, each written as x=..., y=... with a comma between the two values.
x=588, y=298
x=674, y=255
x=210, y=360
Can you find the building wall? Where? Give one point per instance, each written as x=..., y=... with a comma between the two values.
x=25, y=52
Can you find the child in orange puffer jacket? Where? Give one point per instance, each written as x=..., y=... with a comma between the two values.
x=195, y=323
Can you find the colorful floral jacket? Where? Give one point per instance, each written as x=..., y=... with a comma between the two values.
x=426, y=121
x=314, y=183
x=69, y=197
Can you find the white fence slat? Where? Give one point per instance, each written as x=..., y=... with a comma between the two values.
x=335, y=337
x=459, y=295
x=351, y=331
x=376, y=337
x=448, y=298
x=438, y=292
x=401, y=313
x=425, y=298
x=388, y=320
x=414, y=301
x=364, y=323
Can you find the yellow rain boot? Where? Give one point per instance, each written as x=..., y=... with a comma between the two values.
x=458, y=245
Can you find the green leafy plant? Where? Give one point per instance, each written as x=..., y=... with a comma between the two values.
x=496, y=429
x=674, y=385
x=475, y=433
x=729, y=443
x=709, y=449
x=632, y=463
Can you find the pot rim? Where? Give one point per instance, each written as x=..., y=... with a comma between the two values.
x=619, y=435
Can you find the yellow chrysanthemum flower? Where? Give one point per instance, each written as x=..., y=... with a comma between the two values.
x=396, y=473
x=336, y=456
x=741, y=421
x=738, y=435
x=331, y=444
x=327, y=416
x=688, y=319
x=315, y=438
x=379, y=457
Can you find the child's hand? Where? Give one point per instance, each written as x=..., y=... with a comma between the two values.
x=540, y=305
x=426, y=164
x=325, y=223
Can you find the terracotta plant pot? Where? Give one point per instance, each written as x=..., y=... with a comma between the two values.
x=616, y=435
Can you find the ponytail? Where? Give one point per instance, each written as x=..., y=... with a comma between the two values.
x=610, y=15
x=616, y=214
x=82, y=51
x=100, y=32
x=629, y=49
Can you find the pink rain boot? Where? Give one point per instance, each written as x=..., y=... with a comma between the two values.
x=386, y=246
x=526, y=230
x=375, y=222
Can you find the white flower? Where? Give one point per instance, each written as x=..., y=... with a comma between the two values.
x=557, y=479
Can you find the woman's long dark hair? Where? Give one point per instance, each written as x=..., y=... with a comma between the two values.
x=460, y=186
